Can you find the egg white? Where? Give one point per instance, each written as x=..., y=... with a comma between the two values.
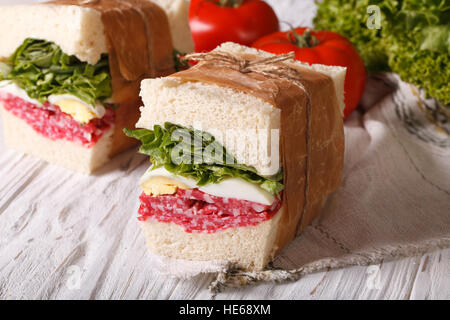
x=10, y=87
x=89, y=111
x=236, y=188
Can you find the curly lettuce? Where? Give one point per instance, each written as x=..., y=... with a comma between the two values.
x=201, y=156
x=42, y=69
x=413, y=41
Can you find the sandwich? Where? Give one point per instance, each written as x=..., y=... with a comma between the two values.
x=245, y=148
x=70, y=72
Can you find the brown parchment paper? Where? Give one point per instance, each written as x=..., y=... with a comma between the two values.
x=322, y=164
x=139, y=46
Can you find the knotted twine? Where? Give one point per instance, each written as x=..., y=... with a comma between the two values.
x=264, y=66
x=269, y=67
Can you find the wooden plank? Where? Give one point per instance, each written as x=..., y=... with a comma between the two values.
x=433, y=277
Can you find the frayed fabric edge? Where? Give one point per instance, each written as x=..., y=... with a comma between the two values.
x=229, y=276
x=233, y=278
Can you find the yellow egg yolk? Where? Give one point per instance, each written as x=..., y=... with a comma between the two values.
x=156, y=186
x=78, y=110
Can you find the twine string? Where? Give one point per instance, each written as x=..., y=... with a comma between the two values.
x=266, y=66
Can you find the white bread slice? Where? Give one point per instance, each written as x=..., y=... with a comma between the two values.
x=22, y=137
x=225, y=111
x=177, y=12
x=77, y=30
x=250, y=248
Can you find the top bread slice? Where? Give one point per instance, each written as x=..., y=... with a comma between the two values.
x=77, y=30
x=233, y=117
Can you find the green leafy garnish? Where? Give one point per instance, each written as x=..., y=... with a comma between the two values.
x=413, y=39
x=196, y=154
x=180, y=63
x=42, y=69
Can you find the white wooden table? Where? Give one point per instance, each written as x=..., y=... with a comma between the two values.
x=68, y=236
x=65, y=235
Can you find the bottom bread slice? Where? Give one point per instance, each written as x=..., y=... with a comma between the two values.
x=250, y=248
x=20, y=136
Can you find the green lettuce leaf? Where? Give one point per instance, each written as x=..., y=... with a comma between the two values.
x=197, y=155
x=349, y=18
x=413, y=40
x=42, y=69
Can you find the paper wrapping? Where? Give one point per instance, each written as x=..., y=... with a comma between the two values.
x=311, y=143
x=139, y=46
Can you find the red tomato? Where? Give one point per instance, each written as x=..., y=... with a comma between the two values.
x=324, y=47
x=213, y=22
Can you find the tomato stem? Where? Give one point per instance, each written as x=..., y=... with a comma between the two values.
x=230, y=3
x=306, y=40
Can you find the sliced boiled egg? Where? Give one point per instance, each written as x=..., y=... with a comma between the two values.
x=160, y=181
x=158, y=185
x=80, y=111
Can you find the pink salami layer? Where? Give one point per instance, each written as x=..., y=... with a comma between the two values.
x=200, y=212
x=49, y=121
